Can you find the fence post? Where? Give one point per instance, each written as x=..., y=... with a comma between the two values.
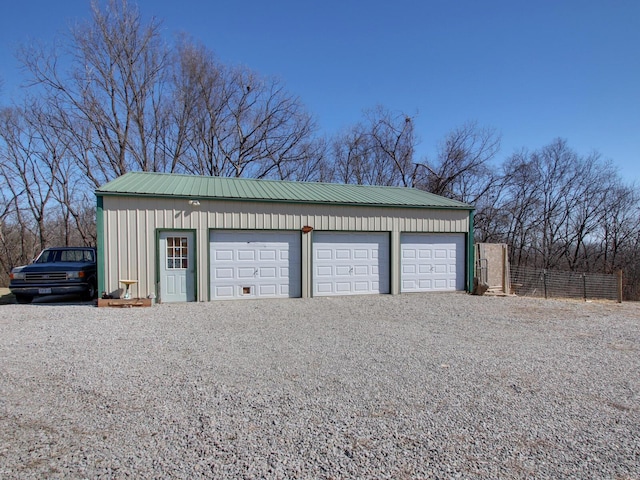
x=544, y=281
x=619, y=272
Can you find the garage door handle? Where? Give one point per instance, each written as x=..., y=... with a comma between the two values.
x=350, y=270
x=255, y=272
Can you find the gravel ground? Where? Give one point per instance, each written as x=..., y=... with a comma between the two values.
x=409, y=386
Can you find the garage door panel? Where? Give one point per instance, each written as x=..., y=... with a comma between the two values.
x=222, y=255
x=432, y=262
x=342, y=254
x=252, y=264
x=439, y=254
x=268, y=272
x=246, y=272
x=362, y=287
x=424, y=269
x=223, y=272
x=267, y=290
x=324, y=287
x=362, y=270
x=224, y=292
x=441, y=284
x=426, y=284
x=408, y=269
x=246, y=255
x=342, y=270
x=358, y=263
x=407, y=284
x=324, y=254
x=267, y=255
x=324, y=271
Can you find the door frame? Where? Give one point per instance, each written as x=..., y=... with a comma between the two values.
x=192, y=231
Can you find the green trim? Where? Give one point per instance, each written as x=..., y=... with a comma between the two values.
x=100, y=241
x=208, y=294
x=195, y=264
x=298, y=202
x=470, y=253
x=157, y=276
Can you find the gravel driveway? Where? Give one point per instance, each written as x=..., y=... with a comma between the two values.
x=409, y=386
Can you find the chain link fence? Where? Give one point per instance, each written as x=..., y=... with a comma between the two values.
x=534, y=282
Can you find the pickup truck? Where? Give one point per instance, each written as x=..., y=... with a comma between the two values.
x=56, y=271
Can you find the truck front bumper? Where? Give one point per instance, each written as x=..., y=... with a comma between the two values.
x=43, y=289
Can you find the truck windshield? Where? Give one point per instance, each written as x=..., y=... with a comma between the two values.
x=51, y=256
x=47, y=256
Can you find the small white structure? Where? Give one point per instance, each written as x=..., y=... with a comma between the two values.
x=190, y=238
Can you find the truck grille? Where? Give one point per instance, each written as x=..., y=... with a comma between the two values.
x=46, y=277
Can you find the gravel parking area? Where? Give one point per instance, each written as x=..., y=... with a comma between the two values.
x=409, y=386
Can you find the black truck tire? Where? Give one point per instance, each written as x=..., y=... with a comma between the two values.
x=23, y=299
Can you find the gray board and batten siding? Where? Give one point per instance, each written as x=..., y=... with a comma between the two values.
x=142, y=216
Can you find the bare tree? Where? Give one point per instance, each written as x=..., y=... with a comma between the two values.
x=199, y=99
x=462, y=169
x=237, y=123
x=555, y=205
x=112, y=93
x=620, y=230
x=29, y=167
x=377, y=151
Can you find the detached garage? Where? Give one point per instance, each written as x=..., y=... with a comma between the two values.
x=182, y=238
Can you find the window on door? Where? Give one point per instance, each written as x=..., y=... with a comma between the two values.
x=177, y=253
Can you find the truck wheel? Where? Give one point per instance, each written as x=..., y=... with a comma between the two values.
x=24, y=299
x=90, y=294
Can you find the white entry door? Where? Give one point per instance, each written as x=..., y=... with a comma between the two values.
x=177, y=267
x=350, y=263
x=255, y=264
x=432, y=262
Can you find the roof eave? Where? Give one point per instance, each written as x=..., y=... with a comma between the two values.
x=288, y=201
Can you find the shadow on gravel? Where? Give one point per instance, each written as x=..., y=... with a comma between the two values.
x=62, y=300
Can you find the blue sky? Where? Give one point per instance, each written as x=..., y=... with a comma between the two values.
x=533, y=70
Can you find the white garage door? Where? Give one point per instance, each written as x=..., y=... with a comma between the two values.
x=432, y=262
x=350, y=263
x=254, y=264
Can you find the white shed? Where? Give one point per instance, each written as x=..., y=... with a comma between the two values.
x=192, y=238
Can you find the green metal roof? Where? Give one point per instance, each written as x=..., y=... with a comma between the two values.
x=224, y=188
